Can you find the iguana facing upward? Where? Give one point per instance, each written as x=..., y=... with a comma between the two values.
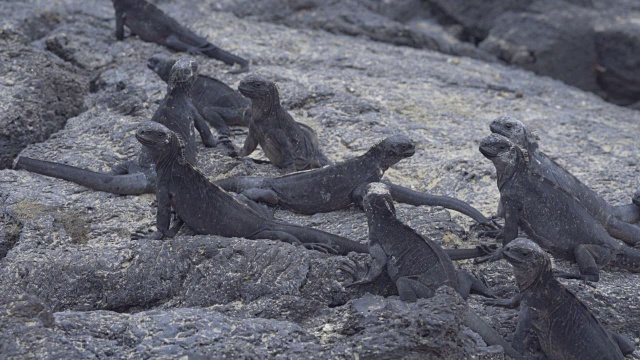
x=176, y=112
x=550, y=216
x=615, y=219
x=565, y=327
x=337, y=186
x=207, y=209
x=288, y=144
x=152, y=24
x=417, y=265
x=218, y=104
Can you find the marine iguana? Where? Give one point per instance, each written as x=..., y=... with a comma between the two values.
x=615, y=219
x=288, y=144
x=565, y=327
x=207, y=209
x=137, y=177
x=337, y=186
x=219, y=105
x=152, y=24
x=550, y=216
x=417, y=265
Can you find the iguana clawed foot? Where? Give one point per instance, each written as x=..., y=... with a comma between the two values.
x=147, y=234
x=357, y=271
x=323, y=248
x=493, y=253
x=491, y=224
x=586, y=277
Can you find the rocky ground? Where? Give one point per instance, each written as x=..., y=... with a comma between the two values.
x=74, y=285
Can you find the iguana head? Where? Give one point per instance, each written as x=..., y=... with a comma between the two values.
x=529, y=261
x=505, y=155
x=378, y=201
x=257, y=87
x=183, y=73
x=515, y=130
x=393, y=149
x=154, y=135
x=161, y=65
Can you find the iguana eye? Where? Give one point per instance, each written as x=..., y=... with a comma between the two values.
x=508, y=126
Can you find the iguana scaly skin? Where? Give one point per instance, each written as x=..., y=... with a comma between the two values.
x=207, y=209
x=286, y=143
x=153, y=25
x=417, y=265
x=615, y=219
x=219, y=105
x=565, y=327
x=176, y=112
x=338, y=186
x=550, y=216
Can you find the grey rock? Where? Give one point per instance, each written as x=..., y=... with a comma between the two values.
x=113, y=297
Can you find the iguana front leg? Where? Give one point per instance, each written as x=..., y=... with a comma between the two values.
x=120, y=16
x=163, y=214
x=376, y=265
x=250, y=144
x=205, y=133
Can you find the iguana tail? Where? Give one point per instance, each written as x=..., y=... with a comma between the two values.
x=408, y=196
x=489, y=334
x=627, y=258
x=308, y=235
x=226, y=57
x=130, y=184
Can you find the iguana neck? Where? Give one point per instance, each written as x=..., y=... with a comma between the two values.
x=509, y=171
x=527, y=281
x=262, y=108
x=165, y=158
x=375, y=157
x=180, y=89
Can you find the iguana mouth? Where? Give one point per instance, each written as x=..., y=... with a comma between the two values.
x=497, y=130
x=152, y=63
x=244, y=90
x=487, y=153
x=409, y=153
x=510, y=257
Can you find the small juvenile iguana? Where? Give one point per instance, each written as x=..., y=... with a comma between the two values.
x=565, y=327
x=152, y=24
x=337, y=186
x=288, y=144
x=615, y=219
x=176, y=112
x=550, y=216
x=417, y=265
x=218, y=104
x=207, y=209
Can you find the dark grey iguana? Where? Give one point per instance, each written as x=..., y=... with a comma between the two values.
x=152, y=24
x=288, y=144
x=615, y=219
x=417, y=265
x=337, y=186
x=565, y=327
x=550, y=216
x=207, y=209
x=176, y=112
x=219, y=105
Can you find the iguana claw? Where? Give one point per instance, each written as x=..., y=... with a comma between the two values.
x=493, y=255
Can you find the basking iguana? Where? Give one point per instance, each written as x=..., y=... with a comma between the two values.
x=207, y=209
x=615, y=219
x=550, y=216
x=176, y=112
x=152, y=24
x=218, y=104
x=288, y=144
x=417, y=265
x=565, y=327
x=337, y=186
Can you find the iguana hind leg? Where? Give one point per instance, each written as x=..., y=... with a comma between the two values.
x=624, y=343
x=626, y=232
x=261, y=195
x=627, y=213
x=411, y=289
x=588, y=257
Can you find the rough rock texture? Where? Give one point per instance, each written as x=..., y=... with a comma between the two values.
x=84, y=289
x=39, y=90
x=585, y=43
